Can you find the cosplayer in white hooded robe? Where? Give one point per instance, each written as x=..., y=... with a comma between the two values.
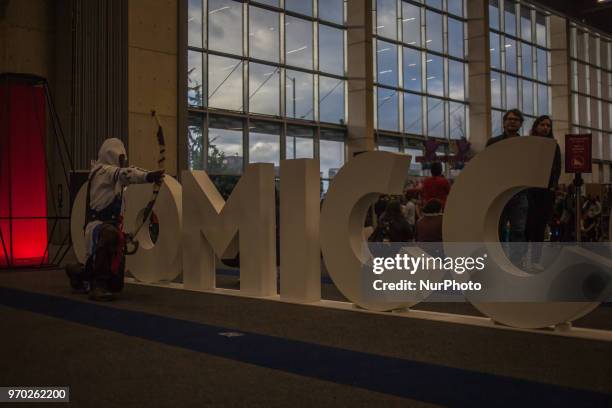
x=109, y=182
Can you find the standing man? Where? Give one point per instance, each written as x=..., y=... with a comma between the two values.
x=436, y=186
x=514, y=216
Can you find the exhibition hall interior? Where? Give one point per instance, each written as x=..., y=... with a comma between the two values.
x=306, y=203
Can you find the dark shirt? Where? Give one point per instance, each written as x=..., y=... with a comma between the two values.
x=429, y=228
x=399, y=230
x=499, y=138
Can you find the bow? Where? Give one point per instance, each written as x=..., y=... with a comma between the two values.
x=131, y=237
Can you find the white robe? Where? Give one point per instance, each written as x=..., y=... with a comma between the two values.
x=109, y=182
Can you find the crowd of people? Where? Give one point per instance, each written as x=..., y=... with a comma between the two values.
x=532, y=215
x=593, y=217
x=415, y=215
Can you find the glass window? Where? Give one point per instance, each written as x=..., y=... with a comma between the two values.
x=268, y=2
x=594, y=50
x=411, y=24
x=433, y=31
x=457, y=120
x=510, y=52
x=331, y=50
x=455, y=38
x=495, y=52
x=264, y=88
x=455, y=7
x=574, y=68
x=496, y=98
x=528, y=107
x=264, y=143
x=434, y=3
x=456, y=77
x=494, y=14
x=595, y=113
x=542, y=100
x=542, y=63
x=583, y=110
x=541, y=29
x=416, y=168
x=596, y=84
x=387, y=109
x=526, y=23
x=299, y=6
x=510, y=17
x=597, y=152
x=573, y=39
x=332, y=10
x=511, y=92
x=299, y=95
x=412, y=69
x=388, y=148
x=583, y=78
x=298, y=35
x=263, y=34
x=331, y=152
x=422, y=72
x=526, y=60
x=388, y=144
x=195, y=142
x=435, y=75
x=331, y=100
x=413, y=114
x=386, y=18
x=225, y=83
x=300, y=142
x=225, y=145
x=581, y=46
x=195, y=79
x=496, y=122
x=194, y=22
x=224, y=33
x=527, y=124
x=386, y=61
x=435, y=117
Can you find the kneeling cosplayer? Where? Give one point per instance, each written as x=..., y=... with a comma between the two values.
x=103, y=273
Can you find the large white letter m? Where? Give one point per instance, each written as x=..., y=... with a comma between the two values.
x=211, y=227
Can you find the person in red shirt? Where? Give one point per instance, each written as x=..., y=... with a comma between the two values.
x=436, y=186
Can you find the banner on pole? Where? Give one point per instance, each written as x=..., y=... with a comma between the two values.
x=578, y=153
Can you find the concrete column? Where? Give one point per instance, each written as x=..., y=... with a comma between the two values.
x=605, y=117
x=479, y=67
x=152, y=80
x=360, y=77
x=26, y=32
x=561, y=85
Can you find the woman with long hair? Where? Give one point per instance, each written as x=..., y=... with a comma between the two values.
x=542, y=200
x=392, y=226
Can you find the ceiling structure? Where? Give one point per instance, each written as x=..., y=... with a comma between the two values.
x=595, y=13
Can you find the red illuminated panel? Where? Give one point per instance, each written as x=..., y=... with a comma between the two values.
x=23, y=190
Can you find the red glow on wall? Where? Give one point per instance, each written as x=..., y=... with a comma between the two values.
x=23, y=187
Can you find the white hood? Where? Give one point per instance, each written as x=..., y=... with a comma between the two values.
x=110, y=151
